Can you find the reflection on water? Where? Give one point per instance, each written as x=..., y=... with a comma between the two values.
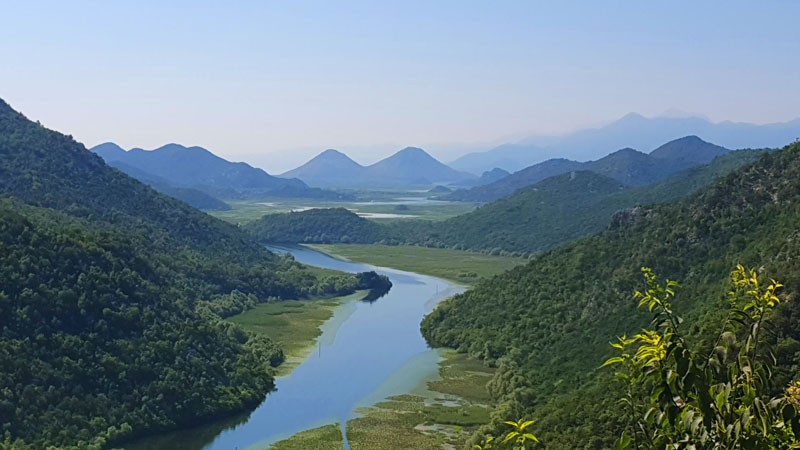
x=375, y=352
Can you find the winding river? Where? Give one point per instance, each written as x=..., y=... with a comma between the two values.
x=366, y=353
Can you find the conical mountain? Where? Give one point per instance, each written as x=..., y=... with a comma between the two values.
x=329, y=168
x=688, y=152
x=410, y=167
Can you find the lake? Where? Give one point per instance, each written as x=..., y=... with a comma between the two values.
x=366, y=353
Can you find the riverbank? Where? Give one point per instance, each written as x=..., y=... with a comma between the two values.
x=439, y=414
x=296, y=324
x=454, y=265
x=369, y=362
x=442, y=411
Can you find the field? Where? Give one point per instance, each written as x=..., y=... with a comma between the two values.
x=377, y=206
x=455, y=265
x=295, y=324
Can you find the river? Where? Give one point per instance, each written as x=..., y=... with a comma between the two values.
x=366, y=353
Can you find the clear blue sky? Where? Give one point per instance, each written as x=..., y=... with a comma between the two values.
x=275, y=82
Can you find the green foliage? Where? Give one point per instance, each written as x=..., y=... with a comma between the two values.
x=96, y=347
x=519, y=438
x=680, y=397
x=556, y=210
x=315, y=226
x=110, y=301
x=552, y=212
x=546, y=325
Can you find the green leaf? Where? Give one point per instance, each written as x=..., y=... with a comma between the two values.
x=623, y=442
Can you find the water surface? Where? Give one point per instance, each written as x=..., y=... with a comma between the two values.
x=367, y=352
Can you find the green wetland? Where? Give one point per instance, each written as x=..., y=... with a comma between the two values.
x=403, y=388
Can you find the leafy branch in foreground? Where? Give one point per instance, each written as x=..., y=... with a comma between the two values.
x=519, y=437
x=682, y=398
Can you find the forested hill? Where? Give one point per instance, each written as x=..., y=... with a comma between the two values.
x=44, y=168
x=96, y=347
x=628, y=166
x=192, y=197
x=111, y=298
x=316, y=226
x=553, y=212
x=559, y=209
x=548, y=323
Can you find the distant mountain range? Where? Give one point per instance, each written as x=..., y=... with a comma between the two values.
x=627, y=166
x=174, y=167
x=410, y=167
x=534, y=219
x=633, y=131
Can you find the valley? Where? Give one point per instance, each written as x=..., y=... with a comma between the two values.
x=321, y=387
x=377, y=205
x=399, y=225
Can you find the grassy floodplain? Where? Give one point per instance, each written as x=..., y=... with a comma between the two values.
x=441, y=414
x=328, y=437
x=454, y=265
x=295, y=324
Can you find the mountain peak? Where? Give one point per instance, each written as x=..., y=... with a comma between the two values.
x=109, y=151
x=687, y=140
x=329, y=168
x=627, y=151
x=416, y=151
x=688, y=151
x=333, y=155
x=632, y=117
x=332, y=152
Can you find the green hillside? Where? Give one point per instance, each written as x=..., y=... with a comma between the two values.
x=316, y=226
x=550, y=213
x=547, y=324
x=111, y=298
x=559, y=209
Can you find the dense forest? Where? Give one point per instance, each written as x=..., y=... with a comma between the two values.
x=547, y=325
x=550, y=213
x=316, y=226
x=111, y=299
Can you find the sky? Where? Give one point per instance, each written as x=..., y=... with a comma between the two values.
x=273, y=83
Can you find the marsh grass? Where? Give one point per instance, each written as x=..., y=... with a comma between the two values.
x=453, y=406
x=455, y=265
x=328, y=437
x=295, y=324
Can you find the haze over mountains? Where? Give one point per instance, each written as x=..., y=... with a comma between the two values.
x=409, y=167
x=627, y=166
x=632, y=130
x=198, y=168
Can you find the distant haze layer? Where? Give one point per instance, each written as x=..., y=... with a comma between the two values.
x=275, y=83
